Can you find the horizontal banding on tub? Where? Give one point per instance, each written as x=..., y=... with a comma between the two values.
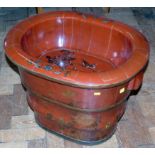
x=81, y=62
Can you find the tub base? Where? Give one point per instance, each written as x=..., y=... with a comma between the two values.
x=41, y=123
x=49, y=116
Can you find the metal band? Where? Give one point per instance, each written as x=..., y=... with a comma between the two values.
x=79, y=141
x=34, y=73
x=52, y=101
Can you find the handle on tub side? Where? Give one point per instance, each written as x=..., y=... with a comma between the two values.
x=136, y=82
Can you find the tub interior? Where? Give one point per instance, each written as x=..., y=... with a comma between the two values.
x=88, y=44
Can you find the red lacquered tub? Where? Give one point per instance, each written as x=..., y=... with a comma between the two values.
x=78, y=71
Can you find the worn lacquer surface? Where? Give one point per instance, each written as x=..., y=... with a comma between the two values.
x=78, y=70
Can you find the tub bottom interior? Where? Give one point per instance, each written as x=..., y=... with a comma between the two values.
x=65, y=59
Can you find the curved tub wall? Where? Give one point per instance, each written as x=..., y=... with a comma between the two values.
x=79, y=98
x=80, y=114
x=83, y=104
x=97, y=40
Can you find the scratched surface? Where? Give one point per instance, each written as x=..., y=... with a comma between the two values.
x=17, y=124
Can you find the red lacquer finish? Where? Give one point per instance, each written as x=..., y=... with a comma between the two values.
x=78, y=71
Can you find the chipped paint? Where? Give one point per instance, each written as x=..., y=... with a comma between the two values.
x=122, y=90
x=97, y=93
x=37, y=65
x=107, y=126
x=48, y=68
x=58, y=72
